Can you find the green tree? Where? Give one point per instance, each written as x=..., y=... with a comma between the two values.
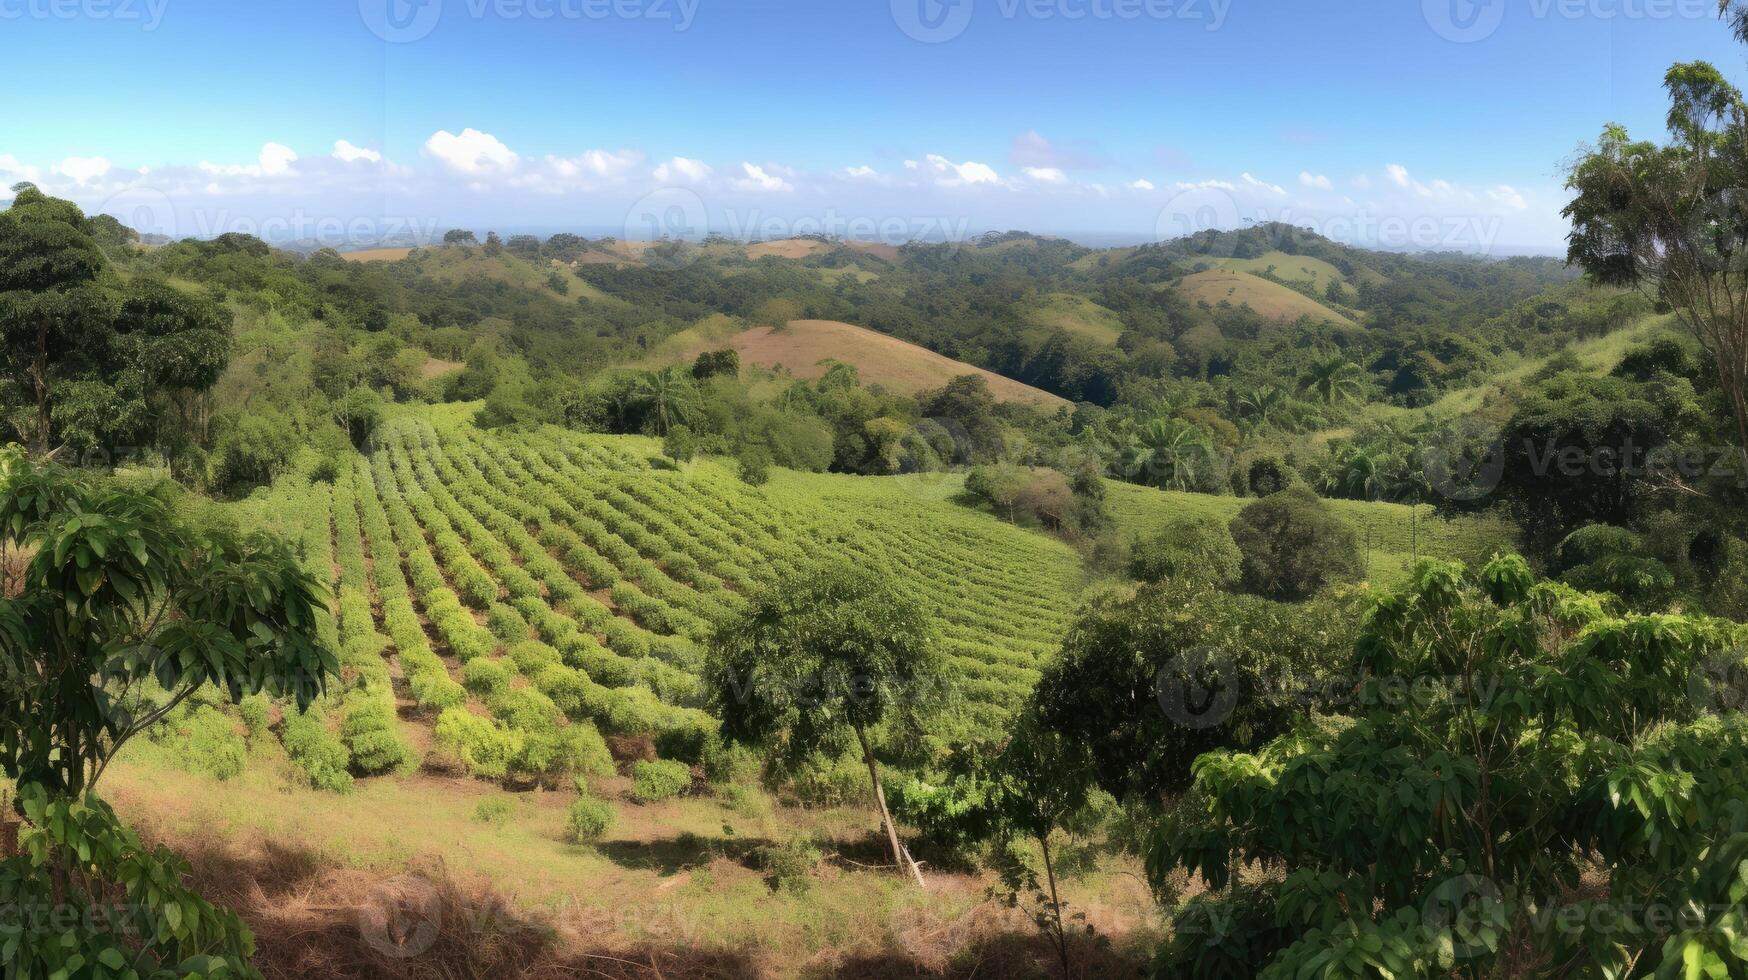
x=1672, y=220
x=1543, y=742
x=54, y=314
x=1293, y=545
x=666, y=398
x=820, y=653
x=118, y=596
x=1332, y=379
x=1188, y=548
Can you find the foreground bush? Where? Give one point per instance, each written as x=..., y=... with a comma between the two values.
x=1509, y=745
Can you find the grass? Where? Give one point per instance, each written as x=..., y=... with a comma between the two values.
x=1077, y=315
x=803, y=345
x=1292, y=268
x=1390, y=536
x=1269, y=300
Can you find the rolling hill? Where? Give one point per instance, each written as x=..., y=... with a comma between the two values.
x=801, y=346
x=1269, y=300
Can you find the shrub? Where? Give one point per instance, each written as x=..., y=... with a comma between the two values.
x=256, y=712
x=495, y=810
x=1190, y=549
x=367, y=726
x=659, y=780
x=587, y=820
x=830, y=782
x=483, y=746
x=205, y=740
x=789, y=866
x=1293, y=545
x=322, y=758
x=507, y=624
x=485, y=676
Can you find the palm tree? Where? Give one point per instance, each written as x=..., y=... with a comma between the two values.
x=1165, y=453
x=1261, y=402
x=1333, y=378
x=666, y=397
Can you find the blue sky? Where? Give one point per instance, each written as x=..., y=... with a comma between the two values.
x=1403, y=123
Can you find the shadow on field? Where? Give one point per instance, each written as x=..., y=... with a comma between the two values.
x=312, y=919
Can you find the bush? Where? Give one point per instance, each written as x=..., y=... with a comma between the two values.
x=483, y=746
x=662, y=779
x=588, y=820
x=754, y=463
x=205, y=739
x=322, y=757
x=789, y=866
x=367, y=726
x=1293, y=545
x=494, y=810
x=1188, y=549
x=830, y=782
x=507, y=624
x=256, y=712
x=680, y=444
x=485, y=676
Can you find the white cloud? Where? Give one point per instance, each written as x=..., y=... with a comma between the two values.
x=682, y=170
x=345, y=152
x=758, y=179
x=601, y=164
x=911, y=165
x=1363, y=182
x=1142, y=185
x=950, y=174
x=82, y=169
x=15, y=171
x=1046, y=175
x=1509, y=196
x=1399, y=175
x=276, y=158
x=1206, y=185
x=1315, y=181
x=1263, y=184
x=273, y=160
x=861, y=172
x=472, y=152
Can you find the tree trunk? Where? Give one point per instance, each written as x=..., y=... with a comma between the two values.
x=39, y=372
x=899, y=856
x=1055, y=904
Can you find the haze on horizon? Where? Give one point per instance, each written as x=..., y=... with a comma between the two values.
x=1441, y=125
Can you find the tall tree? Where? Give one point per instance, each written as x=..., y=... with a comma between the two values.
x=823, y=654
x=52, y=308
x=1672, y=220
